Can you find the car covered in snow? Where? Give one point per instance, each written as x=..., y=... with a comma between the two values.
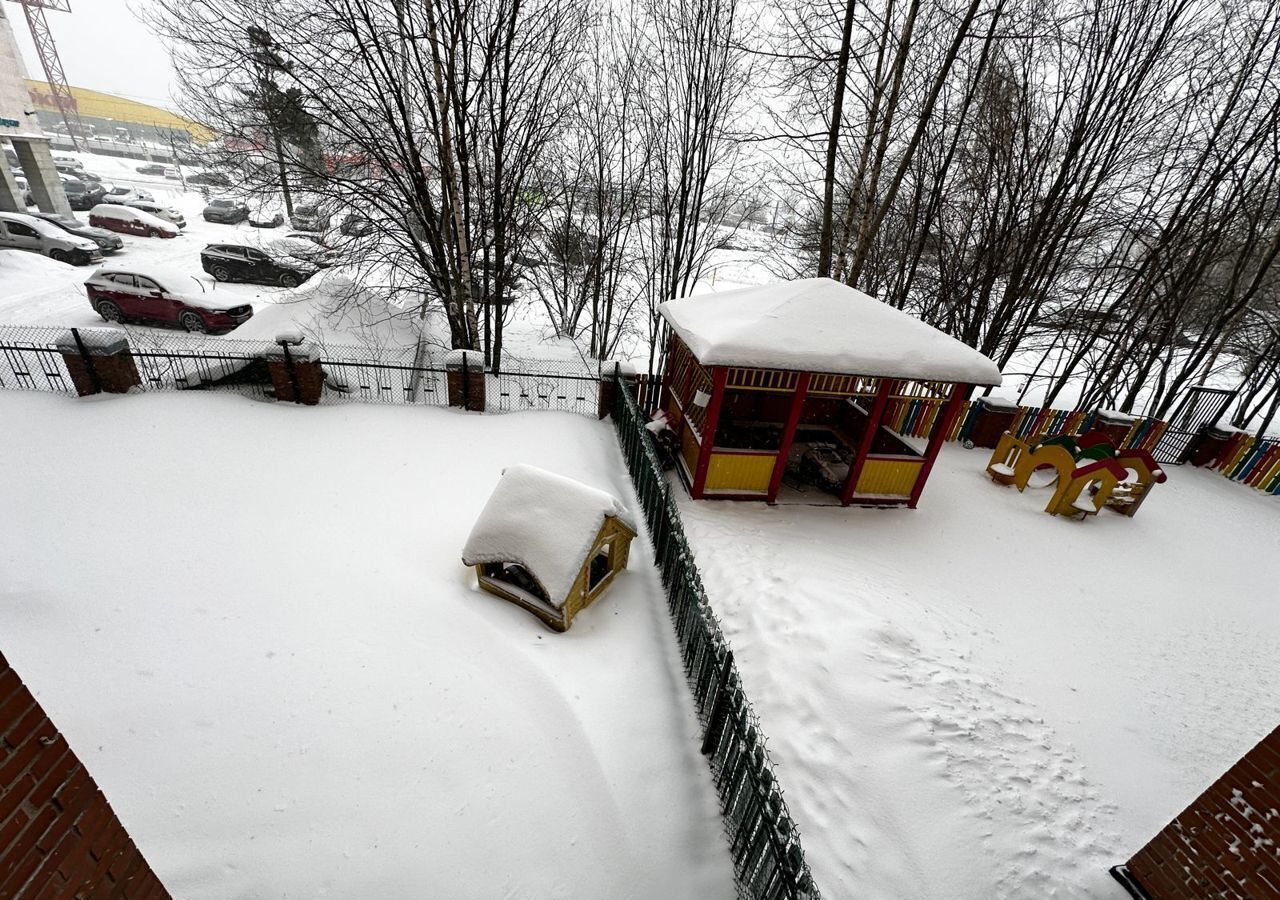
x=128, y=220
x=19, y=231
x=226, y=211
x=155, y=295
x=25, y=188
x=236, y=262
x=306, y=247
x=311, y=216
x=121, y=194
x=107, y=241
x=357, y=225
x=267, y=213
x=213, y=179
x=159, y=210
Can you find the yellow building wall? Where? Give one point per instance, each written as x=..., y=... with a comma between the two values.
x=740, y=472
x=122, y=109
x=888, y=477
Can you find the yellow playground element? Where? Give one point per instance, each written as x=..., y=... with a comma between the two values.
x=1087, y=472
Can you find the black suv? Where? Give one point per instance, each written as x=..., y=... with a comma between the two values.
x=235, y=262
x=83, y=196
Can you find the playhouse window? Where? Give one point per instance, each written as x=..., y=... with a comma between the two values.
x=599, y=567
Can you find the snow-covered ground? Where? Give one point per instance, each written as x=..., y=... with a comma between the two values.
x=252, y=623
x=977, y=700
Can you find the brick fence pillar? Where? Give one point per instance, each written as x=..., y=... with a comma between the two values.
x=295, y=370
x=464, y=371
x=609, y=374
x=1224, y=844
x=99, y=360
x=59, y=837
x=1115, y=425
x=994, y=417
x=1207, y=447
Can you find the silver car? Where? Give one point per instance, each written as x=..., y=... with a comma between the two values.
x=22, y=232
x=159, y=210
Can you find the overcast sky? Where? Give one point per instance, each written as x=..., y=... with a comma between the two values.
x=103, y=46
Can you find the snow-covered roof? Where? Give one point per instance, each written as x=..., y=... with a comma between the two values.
x=821, y=325
x=544, y=522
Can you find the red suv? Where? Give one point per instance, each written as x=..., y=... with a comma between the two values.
x=154, y=296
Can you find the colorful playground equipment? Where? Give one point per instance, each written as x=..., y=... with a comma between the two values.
x=1087, y=472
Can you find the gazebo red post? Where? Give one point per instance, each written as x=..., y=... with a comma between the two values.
x=868, y=438
x=719, y=377
x=941, y=428
x=788, y=434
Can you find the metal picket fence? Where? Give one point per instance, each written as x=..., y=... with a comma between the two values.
x=30, y=359
x=763, y=841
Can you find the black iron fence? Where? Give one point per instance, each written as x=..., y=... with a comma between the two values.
x=767, y=858
x=33, y=358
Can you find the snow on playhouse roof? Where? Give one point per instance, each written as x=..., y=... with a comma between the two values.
x=821, y=325
x=543, y=521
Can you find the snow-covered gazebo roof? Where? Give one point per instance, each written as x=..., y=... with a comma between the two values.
x=821, y=325
x=543, y=521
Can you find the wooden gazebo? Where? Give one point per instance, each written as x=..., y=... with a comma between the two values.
x=791, y=389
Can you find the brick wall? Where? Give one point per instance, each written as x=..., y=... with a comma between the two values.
x=1227, y=843
x=59, y=838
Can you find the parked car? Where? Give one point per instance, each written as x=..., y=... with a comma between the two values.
x=107, y=241
x=77, y=171
x=311, y=217
x=69, y=161
x=128, y=220
x=82, y=196
x=229, y=212
x=159, y=210
x=215, y=179
x=235, y=262
x=120, y=194
x=307, y=248
x=267, y=214
x=19, y=231
x=150, y=169
x=158, y=296
x=25, y=188
x=356, y=225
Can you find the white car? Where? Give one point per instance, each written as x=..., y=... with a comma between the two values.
x=160, y=211
x=267, y=214
x=19, y=231
x=122, y=194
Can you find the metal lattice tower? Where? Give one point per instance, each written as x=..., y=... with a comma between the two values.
x=52, y=63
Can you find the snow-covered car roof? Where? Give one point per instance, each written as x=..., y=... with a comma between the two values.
x=118, y=210
x=48, y=229
x=821, y=325
x=174, y=281
x=544, y=522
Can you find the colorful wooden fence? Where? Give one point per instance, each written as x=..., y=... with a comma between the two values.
x=1246, y=459
x=1252, y=461
x=1032, y=423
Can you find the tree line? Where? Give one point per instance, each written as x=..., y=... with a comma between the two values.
x=1088, y=191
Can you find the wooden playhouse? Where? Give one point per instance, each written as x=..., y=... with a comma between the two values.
x=790, y=390
x=549, y=544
